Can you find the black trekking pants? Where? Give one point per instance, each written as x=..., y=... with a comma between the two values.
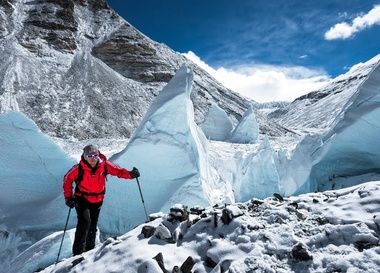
x=85, y=233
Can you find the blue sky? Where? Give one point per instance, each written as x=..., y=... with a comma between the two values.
x=301, y=44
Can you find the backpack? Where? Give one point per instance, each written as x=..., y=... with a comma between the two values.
x=80, y=176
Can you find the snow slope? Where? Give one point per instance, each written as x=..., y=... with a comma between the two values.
x=333, y=231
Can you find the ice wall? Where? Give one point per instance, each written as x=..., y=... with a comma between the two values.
x=217, y=125
x=260, y=175
x=350, y=148
x=247, y=130
x=31, y=172
x=171, y=153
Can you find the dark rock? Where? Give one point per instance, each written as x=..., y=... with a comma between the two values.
x=229, y=213
x=300, y=253
x=160, y=260
x=361, y=245
x=187, y=265
x=178, y=213
x=209, y=262
x=197, y=210
x=148, y=231
x=278, y=197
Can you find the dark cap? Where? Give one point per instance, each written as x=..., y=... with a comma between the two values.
x=90, y=150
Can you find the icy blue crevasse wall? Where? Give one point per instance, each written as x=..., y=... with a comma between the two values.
x=294, y=171
x=352, y=146
x=32, y=167
x=260, y=178
x=32, y=170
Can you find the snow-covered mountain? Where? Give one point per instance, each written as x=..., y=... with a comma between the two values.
x=78, y=69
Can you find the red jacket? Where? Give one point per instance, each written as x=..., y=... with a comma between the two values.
x=93, y=185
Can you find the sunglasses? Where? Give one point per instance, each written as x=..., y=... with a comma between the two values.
x=91, y=156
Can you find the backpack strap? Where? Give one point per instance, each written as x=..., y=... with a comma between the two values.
x=79, y=177
x=105, y=172
x=80, y=174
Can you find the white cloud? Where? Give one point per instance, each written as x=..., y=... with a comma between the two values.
x=264, y=83
x=345, y=30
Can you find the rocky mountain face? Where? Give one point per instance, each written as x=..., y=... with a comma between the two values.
x=78, y=69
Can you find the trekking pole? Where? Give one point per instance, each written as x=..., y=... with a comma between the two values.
x=64, y=231
x=142, y=198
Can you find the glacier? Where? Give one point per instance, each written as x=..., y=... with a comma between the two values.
x=179, y=164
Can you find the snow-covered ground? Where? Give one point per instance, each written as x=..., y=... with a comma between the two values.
x=333, y=231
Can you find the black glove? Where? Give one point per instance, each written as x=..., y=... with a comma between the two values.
x=70, y=202
x=134, y=173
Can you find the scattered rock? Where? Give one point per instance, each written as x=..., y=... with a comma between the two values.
x=197, y=210
x=148, y=231
x=301, y=253
x=187, y=265
x=160, y=260
x=279, y=197
x=178, y=213
x=193, y=219
x=162, y=232
x=377, y=221
x=209, y=262
x=361, y=245
x=5, y=234
x=229, y=213
x=294, y=205
x=76, y=261
x=154, y=216
x=255, y=205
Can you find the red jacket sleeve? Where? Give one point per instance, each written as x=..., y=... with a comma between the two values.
x=68, y=180
x=116, y=170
